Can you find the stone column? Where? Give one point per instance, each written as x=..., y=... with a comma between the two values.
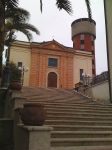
x=33, y=137
x=108, y=24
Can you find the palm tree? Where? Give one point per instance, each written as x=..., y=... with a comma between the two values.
x=13, y=19
x=4, y=4
x=66, y=5
x=17, y=20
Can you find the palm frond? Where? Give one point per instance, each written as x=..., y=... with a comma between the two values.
x=88, y=9
x=41, y=5
x=25, y=28
x=64, y=4
x=30, y=27
x=5, y=4
x=16, y=12
x=11, y=3
x=27, y=33
x=19, y=25
x=16, y=19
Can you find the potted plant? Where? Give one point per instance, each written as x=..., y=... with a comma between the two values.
x=15, y=77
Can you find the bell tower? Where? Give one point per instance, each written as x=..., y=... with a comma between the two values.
x=83, y=37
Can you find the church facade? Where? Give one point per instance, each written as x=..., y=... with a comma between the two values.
x=51, y=64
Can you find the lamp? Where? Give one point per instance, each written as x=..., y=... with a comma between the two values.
x=23, y=70
x=86, y=79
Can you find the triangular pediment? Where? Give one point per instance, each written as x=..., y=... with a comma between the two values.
x=53, y=45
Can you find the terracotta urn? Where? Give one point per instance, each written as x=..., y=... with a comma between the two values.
x=33, y=114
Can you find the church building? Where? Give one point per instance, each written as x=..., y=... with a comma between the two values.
x=51, y=64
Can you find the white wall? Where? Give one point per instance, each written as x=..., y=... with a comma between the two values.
x=99, y=91
x=81, y=62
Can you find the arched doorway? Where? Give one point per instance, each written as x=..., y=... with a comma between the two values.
x=52, y=79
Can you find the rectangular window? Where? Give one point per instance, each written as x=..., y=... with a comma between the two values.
x=81, y=74
x=93, y=52
x=52, y=62
x=81, y=41
x=19, y=64
x=93, y=62
x=82, y=37
x=93, y=71
x=92, y=42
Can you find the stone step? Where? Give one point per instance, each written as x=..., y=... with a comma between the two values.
x=44, y=92
x=78, y=110
x=69, y=105
x=81, y=128
x=57, y=142
x=49, y=96
x=78, y=122
x=67, y=113
x=80, y=107
x=81, y=134
x=75, y=117
x=58, y=100
x=83, y=148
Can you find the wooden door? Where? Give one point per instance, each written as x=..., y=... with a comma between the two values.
x=52, y=79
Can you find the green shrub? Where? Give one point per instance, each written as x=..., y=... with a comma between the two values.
x=15, y=73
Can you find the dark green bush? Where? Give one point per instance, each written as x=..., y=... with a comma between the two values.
x=15, y=73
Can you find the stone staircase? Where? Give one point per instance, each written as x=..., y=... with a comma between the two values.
x=78, y=122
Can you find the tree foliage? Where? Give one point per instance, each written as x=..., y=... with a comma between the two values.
x=17, y=20
x=13, y=19
x=67, y=6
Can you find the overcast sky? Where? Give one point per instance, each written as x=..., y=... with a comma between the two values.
x=55, y=24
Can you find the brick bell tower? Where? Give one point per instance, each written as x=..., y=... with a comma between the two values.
x=83, y=37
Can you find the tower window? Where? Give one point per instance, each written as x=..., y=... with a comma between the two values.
x=93, y=71
x=19, y=64
x=92, y=42
x=81, y=41
x=82, y=44
x=93, y=52
x=82, y=37
x=81, y=74
x=52, y=62
x=73, y=44
x=93, y=62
